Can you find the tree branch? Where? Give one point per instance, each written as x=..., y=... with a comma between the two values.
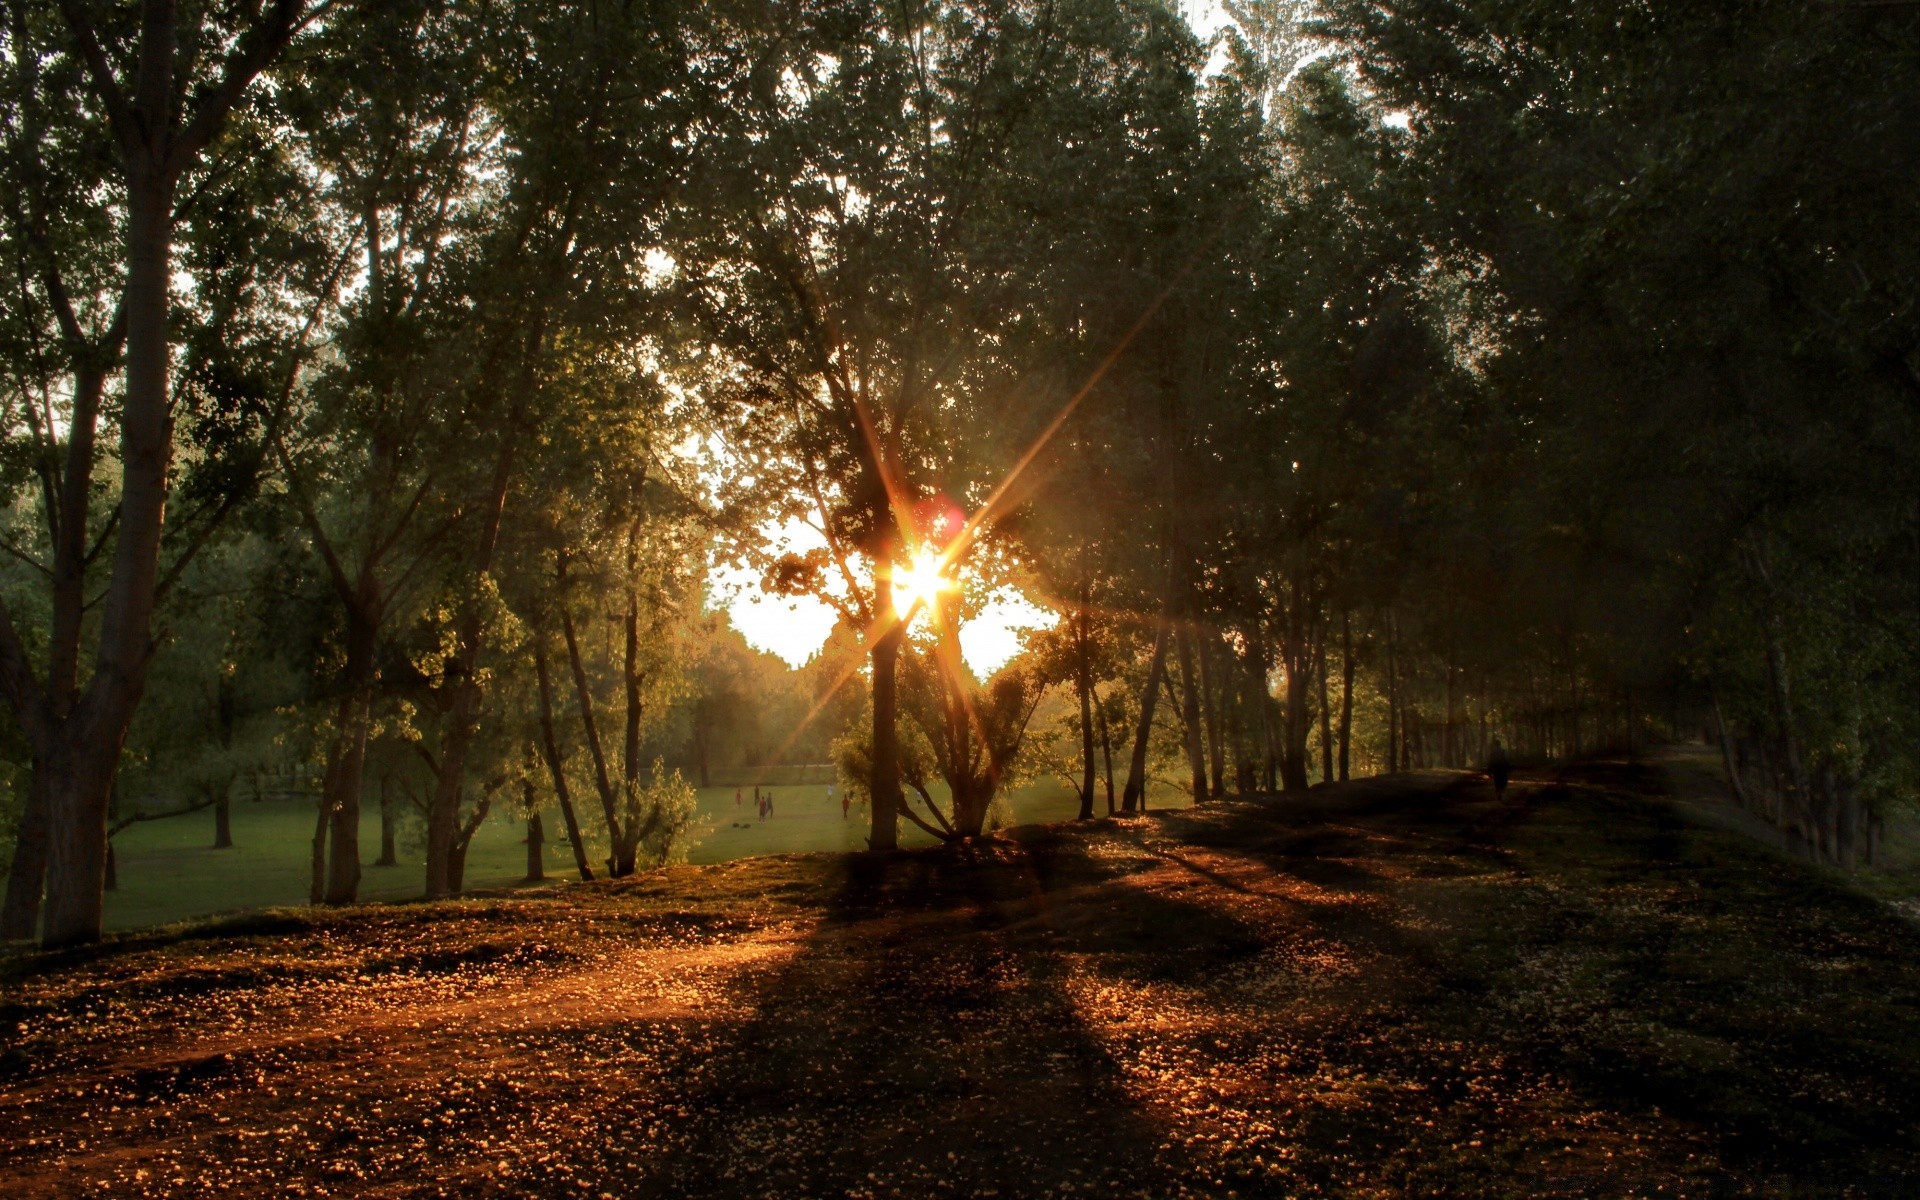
x=120, y=117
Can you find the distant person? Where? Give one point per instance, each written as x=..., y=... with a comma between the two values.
x=769, y=801
x=1499, y=766
x=736, y=797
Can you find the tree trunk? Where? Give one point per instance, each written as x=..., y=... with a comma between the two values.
x=589, y=724
x=20, y=915
x=348, y=756
x=444, y=840
x=1326, y=711
x=1394, y=759
x=389, y=822
x=556, y=766
x=631, y=677
x=1210, y=717
x=84, y=751
x=77, y=788
x=1190, y=712
x=223, y=819
x=1298, y=721
x=317, y=851
x=1346, y=694
x=1106, y=749
x=884, y=784
x=536, y=836
x=1134, y=797
x=1780, y=689
x=1083, y=683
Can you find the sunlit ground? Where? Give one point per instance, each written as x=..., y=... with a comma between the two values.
x=1397, y=988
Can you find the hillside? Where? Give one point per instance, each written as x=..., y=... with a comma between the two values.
x=1396, y=987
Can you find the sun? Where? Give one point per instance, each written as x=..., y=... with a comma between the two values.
x=919, y=581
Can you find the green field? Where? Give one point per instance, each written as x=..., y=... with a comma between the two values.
x=169, y=872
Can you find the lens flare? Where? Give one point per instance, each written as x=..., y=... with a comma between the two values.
x=919, y=581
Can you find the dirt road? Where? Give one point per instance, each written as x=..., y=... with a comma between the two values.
x=1395, y=988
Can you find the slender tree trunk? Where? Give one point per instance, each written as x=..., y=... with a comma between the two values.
x=1326, y=711
x=20, y=916
x=556, y=766
x=85, y=751
x=317, y=852
x=884, y=784
x=1299, y=718
x=1210, y=716
x=633, y=680
x=347, y=768
x=1190, y=711
x=589, y=725
x=1346, y=693
x=1778, y=679
x=536, y=835
x=462, y=725
x=223, y=818
x=1106, y=750
x=389, y=828
x=1394, y=760
x=1134, y=797
x=1083, y=683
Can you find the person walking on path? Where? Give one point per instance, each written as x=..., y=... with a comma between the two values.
x=1499, y=766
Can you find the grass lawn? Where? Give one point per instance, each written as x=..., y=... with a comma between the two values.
x=169, y=872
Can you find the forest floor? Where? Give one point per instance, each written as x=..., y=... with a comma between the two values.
x=1399, y=987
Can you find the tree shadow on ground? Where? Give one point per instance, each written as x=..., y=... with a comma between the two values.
x=924, y=1042
x=1676, y=977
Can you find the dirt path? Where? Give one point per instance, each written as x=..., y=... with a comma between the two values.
x=1398, y=988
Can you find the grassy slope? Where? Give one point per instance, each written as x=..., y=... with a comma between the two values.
x=1397, y=988
x=169, y=872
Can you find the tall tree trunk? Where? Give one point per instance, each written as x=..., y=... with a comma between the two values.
x=1260, y=695
x=348, y=756
x=1106, y=749
x=536, y=833
x=317, y=850
x=462, y=724
x=1083, y=683
x=1735, y=784
x=85, y=751
x=1346, y=693
x=1394, y=758
x=1326, y=710
x=1190, y=711
x=1779, y=684
x=1134, y=797
x=389, y=828
x=883, y=785
x=632, y=679
x=556, y=766
x=20, y=915
x=1210, y=717
x=223, y=818
x=1298, y=720
x=589, y=725
x=222, y=792
x=77, y=738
